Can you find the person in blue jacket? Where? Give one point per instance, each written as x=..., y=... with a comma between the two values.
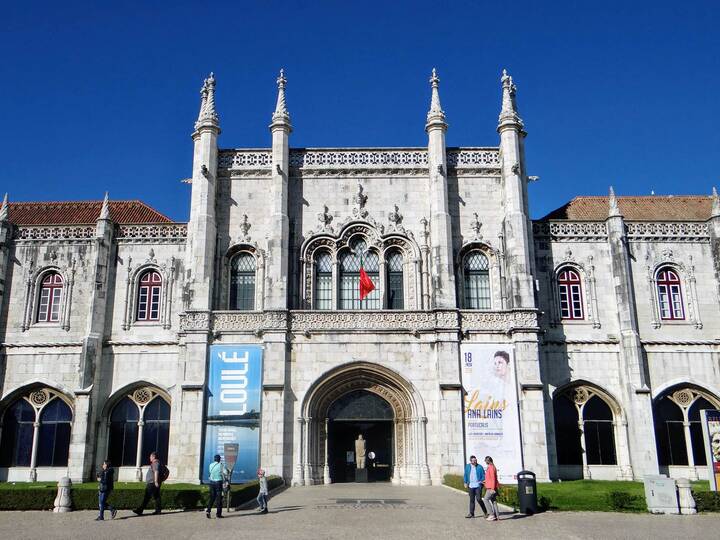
x=473, y=480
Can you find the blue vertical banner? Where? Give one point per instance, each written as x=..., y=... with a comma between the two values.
x=233, y=407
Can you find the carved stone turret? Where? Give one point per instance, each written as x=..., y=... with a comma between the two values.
x=442, y=273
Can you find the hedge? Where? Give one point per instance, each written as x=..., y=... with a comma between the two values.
x=125, y=496
x=507, y=495
x=707, y=501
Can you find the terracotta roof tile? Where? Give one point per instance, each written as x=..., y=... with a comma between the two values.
x=641, y=208
x=82, y=213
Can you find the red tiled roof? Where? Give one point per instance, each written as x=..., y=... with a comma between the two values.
x=642, y=208
x=81, y=213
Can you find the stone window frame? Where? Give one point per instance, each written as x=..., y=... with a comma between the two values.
x=376, y=241
x=259, y=255
x=588, y=292
x=38, y=398
x=141, y=396
x=497, y=296
x=33, y=288
x=132, y=292
x=688, y=292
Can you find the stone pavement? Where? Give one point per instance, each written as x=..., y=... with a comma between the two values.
x=357, y=511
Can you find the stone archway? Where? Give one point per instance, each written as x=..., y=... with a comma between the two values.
x=409, y=465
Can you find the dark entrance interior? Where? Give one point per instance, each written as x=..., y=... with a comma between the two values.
x=355, y=413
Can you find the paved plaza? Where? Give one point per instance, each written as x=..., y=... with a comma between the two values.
x=357, y=511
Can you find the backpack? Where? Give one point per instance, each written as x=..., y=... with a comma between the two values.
x=163, y=473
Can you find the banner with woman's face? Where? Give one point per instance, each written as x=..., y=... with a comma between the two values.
x=492, y=423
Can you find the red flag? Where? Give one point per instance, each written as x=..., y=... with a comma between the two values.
x=366, y=284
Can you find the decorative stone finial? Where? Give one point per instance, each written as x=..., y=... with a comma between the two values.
x=715, y=204
x=4, y=209
x=281, y=116
x=614, y=209
x=435, y=116
x=105, y=210
x=208, y=115
x=509, y=113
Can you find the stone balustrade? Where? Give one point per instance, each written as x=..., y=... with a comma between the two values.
x=413, y=322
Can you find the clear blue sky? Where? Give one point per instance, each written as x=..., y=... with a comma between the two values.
x=103, y=97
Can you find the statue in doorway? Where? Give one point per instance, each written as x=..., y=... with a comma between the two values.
x=360, y=452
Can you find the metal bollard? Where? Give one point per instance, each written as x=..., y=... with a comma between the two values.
x=687, y=503
x=63, y=502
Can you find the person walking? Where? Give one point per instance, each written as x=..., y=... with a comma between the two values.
x=491, y=490
x=153, y=481
x=216, y=487
x=473, y=479
x=106, y=483
x=263, y=492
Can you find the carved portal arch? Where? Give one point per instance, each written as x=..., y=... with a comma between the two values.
x=410, y=452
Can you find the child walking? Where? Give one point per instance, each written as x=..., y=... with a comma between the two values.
x=263, y=494
x=106, y=483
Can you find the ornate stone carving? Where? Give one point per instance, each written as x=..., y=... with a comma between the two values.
x=361, y=159
x=475, y=227
x=503, y=321
x=162, y=233
x=195, y=321
x=325, y=218
x=580, y=395
x=245, y=159
x=49, y=232
x=566, y=230
x=244, y=229
x=39, y=397
x=395, y=218
x=459, y=158
x=359, y=202
x=142, y=396
x=656, y=230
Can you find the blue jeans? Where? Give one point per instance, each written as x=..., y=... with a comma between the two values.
x=262, y=501
x=103, y=502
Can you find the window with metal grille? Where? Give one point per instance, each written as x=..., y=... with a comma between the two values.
x=396, y=298
x=50, y=298
x=476, y=271
x=242, y=282
x=570, y=290
x=323, y=280
x=350, y=262
x=148, y=299
x=669, y=295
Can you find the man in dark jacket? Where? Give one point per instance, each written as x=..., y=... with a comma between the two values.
x=106, y=479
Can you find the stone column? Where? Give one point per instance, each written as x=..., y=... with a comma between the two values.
x=279, y=226
x=625, y=471
x=33, y=453
x=326, y=467
x=138, y=454
x=442, y=269
x=633, y=373
x=299, y=478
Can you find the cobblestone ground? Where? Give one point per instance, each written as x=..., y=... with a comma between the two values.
x=357, y=511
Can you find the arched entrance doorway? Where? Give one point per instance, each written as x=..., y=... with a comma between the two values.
x=360, y=412
x=347, y=400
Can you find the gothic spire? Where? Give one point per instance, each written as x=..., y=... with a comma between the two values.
x=4, y=209
x=715, y=203
x=281, y=116
x=614, y=209
x=509, y=113
x=105, y=210
x=435, y=115
x=208, y=116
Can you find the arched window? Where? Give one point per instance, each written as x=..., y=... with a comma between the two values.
x=323, y=280
x=122, y=449
x=570, y=291
x=54, y=436
x=599, y=432
x=595, y=433
x=242, y=282
x=476, y=272
x=669, y=295
x=49, y=443
x=17, y=435
x=50, y=298
x=144, y=416
x=148, y=299
x=678, y=427
x=395, y=287
x=156, y=431
x=350, y=263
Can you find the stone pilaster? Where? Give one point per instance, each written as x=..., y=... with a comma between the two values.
x=714, y=228
x=633, y=372
x=279, y=227
x=442, y=273
x=202, y=227
x=517, y=226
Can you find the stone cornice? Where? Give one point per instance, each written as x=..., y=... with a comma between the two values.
x=153, y=232
x=637, y=231
x=364, y=322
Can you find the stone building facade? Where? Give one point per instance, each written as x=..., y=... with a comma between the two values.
x=108, y=310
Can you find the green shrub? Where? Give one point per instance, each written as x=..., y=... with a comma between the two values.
x=125, y=496
x=707, y=501
x=622, y=501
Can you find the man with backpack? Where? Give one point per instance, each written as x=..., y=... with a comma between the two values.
x=156, y=474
